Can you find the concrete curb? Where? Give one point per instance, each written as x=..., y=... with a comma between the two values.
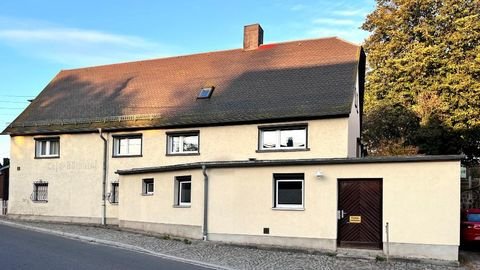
x=113, y=244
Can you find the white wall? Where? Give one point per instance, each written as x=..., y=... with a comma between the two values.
x=354, y=124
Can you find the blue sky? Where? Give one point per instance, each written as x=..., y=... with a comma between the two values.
x=39, y=38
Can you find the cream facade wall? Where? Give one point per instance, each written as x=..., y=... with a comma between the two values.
x=138, y=211
x=326, y=138
x=74, y=179
x=415, y=196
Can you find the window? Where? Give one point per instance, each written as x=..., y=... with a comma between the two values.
x=184, y=143
x=147, y=188
x=289, y=191
x=113, y=197
x=47, y=147
x=473, y=217
x=183, y=190
x=40, y=192
x=283, y=138
x=127, y=145
x=205, y=92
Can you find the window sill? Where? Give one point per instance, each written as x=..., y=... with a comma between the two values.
x=288, y=209
x=47, y=157
x=114, y=203
x=39, y=201
x=126, y=156
x=181, y=206
x=282, y=150
x=182, y=154
x=146, y=194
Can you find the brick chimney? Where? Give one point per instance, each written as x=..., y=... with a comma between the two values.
x=252, y=36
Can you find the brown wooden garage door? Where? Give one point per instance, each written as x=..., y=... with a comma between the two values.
x=360, y=213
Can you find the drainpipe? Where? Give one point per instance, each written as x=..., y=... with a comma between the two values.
x=104, y=180
x=205, y=202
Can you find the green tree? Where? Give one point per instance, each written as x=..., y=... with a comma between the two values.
x=425, y=55
x=390, y=130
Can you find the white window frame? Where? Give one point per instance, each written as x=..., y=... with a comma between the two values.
x=145, y=186
x=181, y=138
x=180, y=183
x=117, y=142
x=38, y=147
x=278, y=132
x=289, y=206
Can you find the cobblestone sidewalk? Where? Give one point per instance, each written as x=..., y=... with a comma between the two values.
x=233, y=257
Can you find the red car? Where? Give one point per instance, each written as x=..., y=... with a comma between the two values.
x=471, y=225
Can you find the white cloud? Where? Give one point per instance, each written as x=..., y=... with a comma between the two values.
x=70, y=35
x=335, y=21
x=351, y=12
x=75, y=47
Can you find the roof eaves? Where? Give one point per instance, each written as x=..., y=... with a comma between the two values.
x=290, y=162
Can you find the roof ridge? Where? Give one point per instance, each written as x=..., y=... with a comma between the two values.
x=203, y=53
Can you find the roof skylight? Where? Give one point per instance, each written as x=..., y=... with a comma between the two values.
x=205, y=92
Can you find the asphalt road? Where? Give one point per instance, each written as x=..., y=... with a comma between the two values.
x=24, y=249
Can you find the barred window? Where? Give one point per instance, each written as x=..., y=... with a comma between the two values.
x=40, y=192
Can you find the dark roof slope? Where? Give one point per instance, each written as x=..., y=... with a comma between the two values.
x=292, y=80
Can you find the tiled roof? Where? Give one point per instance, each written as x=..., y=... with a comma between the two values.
x=291, y=80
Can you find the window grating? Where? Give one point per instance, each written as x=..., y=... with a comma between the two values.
x=40, y=192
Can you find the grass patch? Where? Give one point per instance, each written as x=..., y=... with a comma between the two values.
x=379, y=258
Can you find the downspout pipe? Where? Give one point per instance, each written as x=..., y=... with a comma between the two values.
x=104, y=178
x=205, y=202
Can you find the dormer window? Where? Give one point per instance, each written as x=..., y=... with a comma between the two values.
x=205, y=92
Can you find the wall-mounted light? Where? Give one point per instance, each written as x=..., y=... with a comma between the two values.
x=319, y=174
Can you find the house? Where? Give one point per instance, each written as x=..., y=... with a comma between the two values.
x=259, y=145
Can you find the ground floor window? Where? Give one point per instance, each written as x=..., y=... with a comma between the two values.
x=40, y=192
x=113, y=198
x=183, y=192
x=288, y=190
x=147, y=188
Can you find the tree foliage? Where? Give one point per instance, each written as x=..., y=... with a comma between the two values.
x=424, y=55
x=390, y=130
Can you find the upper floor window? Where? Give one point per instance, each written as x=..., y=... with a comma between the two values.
x=283, y=137
x=127, y=145
x=183, y=143
x=47, y=147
